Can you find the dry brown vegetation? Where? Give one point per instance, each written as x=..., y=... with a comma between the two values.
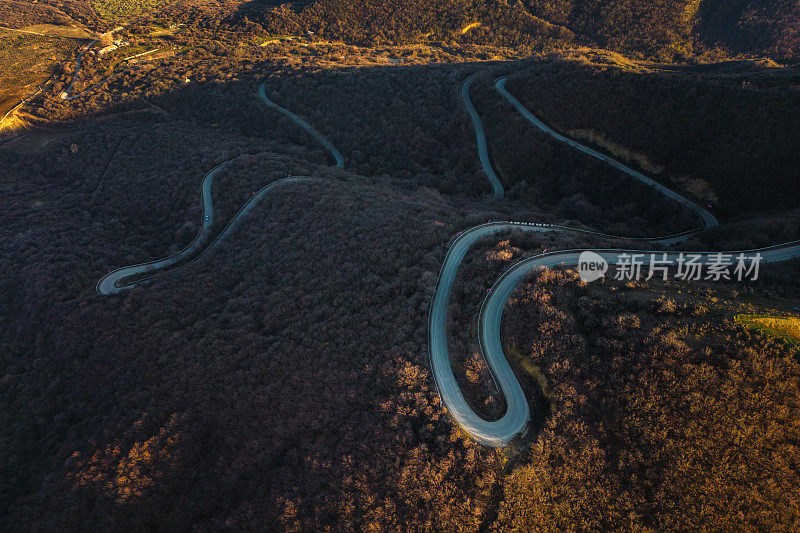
x=26, y=62
x=665, y=414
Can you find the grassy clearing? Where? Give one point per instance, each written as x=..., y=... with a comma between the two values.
x=26, y=61
x=64, y=32
x=269, y=39
x=122, y=9
x=159, y=30
x=785, y=328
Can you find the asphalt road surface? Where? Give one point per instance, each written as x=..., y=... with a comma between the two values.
x=708, y=220
x=337, y=157
x=480, y=137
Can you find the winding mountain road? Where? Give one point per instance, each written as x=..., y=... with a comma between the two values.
x=480, y=137
x=130, y=276
x=708, y=220
x=515, y=421
x=337, y=157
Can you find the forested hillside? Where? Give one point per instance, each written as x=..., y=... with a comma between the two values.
x=282, y=379
x=768, y=26
x=680, y=28
x=726, y=134
x=660, y=29
x=665, y=414
x=540, y=171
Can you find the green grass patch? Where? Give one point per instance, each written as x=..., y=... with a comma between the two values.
x=781, y=327
x=532, y=369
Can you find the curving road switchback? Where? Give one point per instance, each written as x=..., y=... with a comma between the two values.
x=516, y=419
x=708, y=220
x=480, y=137
x=514, y=422
x=128, y=277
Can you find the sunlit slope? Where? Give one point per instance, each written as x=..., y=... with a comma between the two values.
x=121, y=9
x=659, y=29
x=781, y=327
x=26, y=61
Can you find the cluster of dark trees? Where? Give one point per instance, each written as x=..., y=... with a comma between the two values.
x=748, y=234
x=538, y=170
x=402, y=121
x=410, y=123
x=768, y=27
x=727, y=132
x=407, y=122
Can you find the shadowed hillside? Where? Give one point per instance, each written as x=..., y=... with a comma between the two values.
x=726, y=133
